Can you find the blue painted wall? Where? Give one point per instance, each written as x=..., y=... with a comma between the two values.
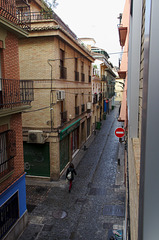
x=19, y=186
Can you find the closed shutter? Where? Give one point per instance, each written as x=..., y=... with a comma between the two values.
x=37, y=159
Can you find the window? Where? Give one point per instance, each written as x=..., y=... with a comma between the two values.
x=9, y=214
x=75, y=140
x=89, y=74
x=82, y=67
x=63, y=73
x=1, y=79
x=76, y=64
x=7, y=151
x=83, y=131
x=82, y=105
x=76, y=106
x=89, y=97
x=3, y=153
x=76, y=70
x=82, y=72
x=62, y=56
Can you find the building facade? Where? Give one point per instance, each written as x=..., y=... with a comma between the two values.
x=143, y=117
x=15, y=97
x=119, y=89
x=60, y=67
x=103, y=81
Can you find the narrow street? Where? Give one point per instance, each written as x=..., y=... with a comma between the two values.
x=96, y=204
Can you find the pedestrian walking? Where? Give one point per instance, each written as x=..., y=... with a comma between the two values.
x=70, y=175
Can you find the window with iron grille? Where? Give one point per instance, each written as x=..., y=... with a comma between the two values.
x=9, y=213
x=76, y=70
x=63, y=70
x=7, y=151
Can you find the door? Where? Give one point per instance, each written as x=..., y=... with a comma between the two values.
x=88, y=126
x=64, y=152
x=37, y=159
x=75, y=140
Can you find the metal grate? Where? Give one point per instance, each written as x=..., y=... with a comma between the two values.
x=9, y=213
x=7, y=151
x=114, y=210
x=15, y=92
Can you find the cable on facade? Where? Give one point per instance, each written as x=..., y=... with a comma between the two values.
x=39, y=109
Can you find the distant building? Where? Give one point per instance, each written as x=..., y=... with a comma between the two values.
x=119, y=89
x=103, y=75
x=60, y=66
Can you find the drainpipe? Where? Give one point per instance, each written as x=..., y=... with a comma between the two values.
x=51, y=96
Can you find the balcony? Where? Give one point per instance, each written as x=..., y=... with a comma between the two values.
x=104, y=78
x=82, y=77
x=8, y=11
x=63, y=72
x=122, y=74
x=76, y=76
x=8, y=152
x=63, y=117
x=15, y=93
x=30, y=17
x=95, y=98
x=122, y=34
x=82, y=108
x=76, y=111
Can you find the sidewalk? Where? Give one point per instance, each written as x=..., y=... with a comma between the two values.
x=96, y=203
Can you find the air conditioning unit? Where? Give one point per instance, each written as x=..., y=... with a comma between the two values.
x=35, y=136
x=60, y=95
x=89, y=105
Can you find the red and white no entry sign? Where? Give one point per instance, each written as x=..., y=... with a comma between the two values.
x=119, y=132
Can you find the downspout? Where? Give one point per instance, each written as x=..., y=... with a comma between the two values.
x=51, y=97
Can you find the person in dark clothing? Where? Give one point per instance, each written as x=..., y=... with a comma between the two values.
x=70, y=175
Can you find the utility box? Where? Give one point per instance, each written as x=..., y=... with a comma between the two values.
x=35, y=136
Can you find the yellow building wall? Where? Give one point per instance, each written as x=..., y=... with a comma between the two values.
x=34, y=54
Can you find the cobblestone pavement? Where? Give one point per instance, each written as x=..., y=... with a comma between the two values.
x=96, y=204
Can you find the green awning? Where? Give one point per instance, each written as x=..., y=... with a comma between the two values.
x=70, y=128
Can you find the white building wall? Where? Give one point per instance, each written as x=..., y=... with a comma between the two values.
x=134, y=67
x=149, y=177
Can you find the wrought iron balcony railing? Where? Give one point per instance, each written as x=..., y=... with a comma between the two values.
x=63, y=117
x=82, y=77
x=8, y=11
x=76, y=111
x=76, y=76
x=14, y=93
x=95, y=98
x=82, y=108
x=63, y=72
x=104, y=78
x=29, y=17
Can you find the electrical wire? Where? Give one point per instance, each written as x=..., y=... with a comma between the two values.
x=39, y=109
